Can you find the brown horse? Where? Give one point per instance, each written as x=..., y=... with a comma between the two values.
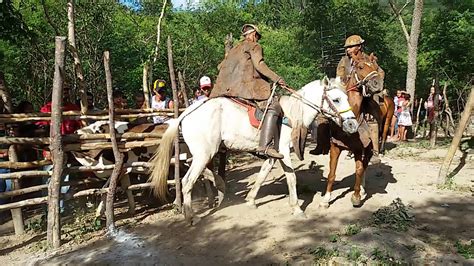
x=383, y=114
x=363, y=76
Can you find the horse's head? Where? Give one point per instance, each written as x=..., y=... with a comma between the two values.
x=335, y=104
x=365, y=75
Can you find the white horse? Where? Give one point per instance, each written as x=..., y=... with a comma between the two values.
x=205, y=126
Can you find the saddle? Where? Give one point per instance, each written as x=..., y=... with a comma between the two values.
x=254, y=112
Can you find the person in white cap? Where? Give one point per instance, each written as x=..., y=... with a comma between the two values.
x=205, y=85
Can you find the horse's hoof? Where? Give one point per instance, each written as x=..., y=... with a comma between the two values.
x=195, y=220
x=299, y=214
x=324, y=205
x=220, y=198
x=251, y=205
x=356, y=202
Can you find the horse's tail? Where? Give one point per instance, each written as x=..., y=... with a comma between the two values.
x=160, y=161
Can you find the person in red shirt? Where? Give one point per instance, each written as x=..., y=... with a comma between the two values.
x=68, y=126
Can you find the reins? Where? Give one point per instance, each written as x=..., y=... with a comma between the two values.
x=336, y=114
x=362, y=83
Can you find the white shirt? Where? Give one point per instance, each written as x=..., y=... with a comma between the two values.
x=159, y=106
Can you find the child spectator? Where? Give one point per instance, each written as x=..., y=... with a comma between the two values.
x=404, y=120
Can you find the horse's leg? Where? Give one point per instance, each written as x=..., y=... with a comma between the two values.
x=125, y=183
x=197, y=166
x=210, y=195
x=222, y=163
x=362, y=161
x=290, y=180
x=389, y=111
x=219, y=183
x=262, y=175
x=334, y=154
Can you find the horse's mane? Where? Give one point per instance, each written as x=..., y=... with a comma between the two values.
x=294, y=106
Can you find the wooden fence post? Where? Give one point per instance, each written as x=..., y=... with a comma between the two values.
x=57, y=153
x=417, y=124
x=182, y=88
x=465, y=116
x=109, y=206
x=17, y=215
x=177, y=200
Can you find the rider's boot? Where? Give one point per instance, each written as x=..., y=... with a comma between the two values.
x=374, y=137
x=269, y=133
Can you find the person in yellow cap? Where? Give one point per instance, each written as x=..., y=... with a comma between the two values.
x=244, y=74
x=159, y=101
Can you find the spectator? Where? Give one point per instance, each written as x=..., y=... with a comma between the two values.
x=139, y=100
x=91, y=102
x=159, y=101
x=205, y=85
x=197, y=95
x=120, y=102
x=68, y=126
x=430, y=104
x=5, y=184
x=404, y=120
x=394, y=126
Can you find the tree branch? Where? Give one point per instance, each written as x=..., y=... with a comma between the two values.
x=48, y=18
x=158, y=31
x=402, y=23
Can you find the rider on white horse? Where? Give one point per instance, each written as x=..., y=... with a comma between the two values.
x=244, y=74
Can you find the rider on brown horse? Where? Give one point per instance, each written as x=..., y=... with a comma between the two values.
x=244, y=74
x=345, y=69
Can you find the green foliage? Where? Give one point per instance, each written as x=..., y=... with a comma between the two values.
x=465, y=250
x=395, y=216
x=384, y=257
x=320, y=253
x=352, y=229
x=36, y=225
x=291, y=41
x=334, y=238
x=354, y=253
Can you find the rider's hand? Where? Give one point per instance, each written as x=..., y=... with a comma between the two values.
x=282, y=82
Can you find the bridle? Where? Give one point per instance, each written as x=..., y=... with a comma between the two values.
x=362, y=83
x=336, y=114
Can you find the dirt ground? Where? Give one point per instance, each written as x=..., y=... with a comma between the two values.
x=235, y=234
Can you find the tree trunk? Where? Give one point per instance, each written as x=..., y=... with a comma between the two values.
x=57, y=153
x=465, y=116
x=109, y=206
x=146, y=91
x=413, y=47
x=449, y=113
x=177, y=201
x=182, y=88
x=5, y=94
x=77, y=61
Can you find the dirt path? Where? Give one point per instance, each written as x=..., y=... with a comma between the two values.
x=235, y=234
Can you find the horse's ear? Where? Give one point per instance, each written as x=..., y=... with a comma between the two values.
x=325, y=81
x=372, y=57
